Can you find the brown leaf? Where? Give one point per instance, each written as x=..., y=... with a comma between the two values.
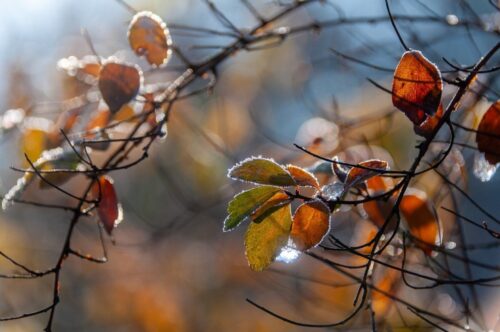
x=488, y=134
x=108, y=209
x=148, y=36
x=421, y=219
x=311, y=223
x=427, y=127
x=417, y=87
x=357, y=175
x=302, y=177
x=119, y=83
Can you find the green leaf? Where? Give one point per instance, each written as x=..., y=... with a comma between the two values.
x=246, y=202
x=262, y=171
x=264, y=240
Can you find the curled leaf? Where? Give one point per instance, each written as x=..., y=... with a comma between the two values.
x=339, y=170
x=421, y=219
x=264, y=240
x=246, y=202
x=148, y=36
x=488, y=134
x=417, y=87
x=262, y=171
x=119, y=83
x=368, y=169
x=302, y=177
x=311, y=222
x=108, y=209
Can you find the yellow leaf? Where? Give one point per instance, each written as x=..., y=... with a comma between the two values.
x=264, y=240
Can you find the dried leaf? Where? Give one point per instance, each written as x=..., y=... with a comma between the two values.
x=358, y=175
x=148, y=36
x=421, y=219
x=488, y=134
x=302, y=177
x=311, y=223
x=119, y=83
x=417, y=87
x=263, y=171
x=264, y=240
x=246, y=202
x=108, y=209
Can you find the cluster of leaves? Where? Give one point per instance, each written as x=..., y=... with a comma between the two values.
x=416, y=91
x=59, y=150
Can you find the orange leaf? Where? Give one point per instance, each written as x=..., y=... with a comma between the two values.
x=417, y=87
x=148, y=36
x=119, y=84
x=421, y=219
x=302, y=177
x=311, y=223
x=427, y=127
x=108, y=209
x=488, y=135
x=270, y=206
x=389, y=284
x=357, y=175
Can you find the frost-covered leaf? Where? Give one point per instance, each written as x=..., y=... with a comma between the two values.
x=108, y=209
x=86, y=69
x=264, y=240
x=417, y=87
x=119, y=83
x=149, y=37
x=488, y=134
x=262, y=171
x=246, y=202
x=302, y=177
x=311, y=222
x=370, y=168
x=269, y=206
x=339, y=170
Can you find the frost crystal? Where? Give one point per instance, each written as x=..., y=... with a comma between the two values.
x=332, y=191
x=483, y=170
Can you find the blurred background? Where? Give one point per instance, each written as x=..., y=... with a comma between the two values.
x=171, y=268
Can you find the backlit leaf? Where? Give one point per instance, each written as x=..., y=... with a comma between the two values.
x=417, y=87
x=427, y=127
x=149, y=37
x=264, y=240
x=389, y=284
x=421, y=219
x=488, y=135
x=378, y=210
x=302, y=177
x=246, y=202
x=357, y=175
x=263, y=171
x=119, y=83
x=270, y=206
x=109, y=209
x=311, y=223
